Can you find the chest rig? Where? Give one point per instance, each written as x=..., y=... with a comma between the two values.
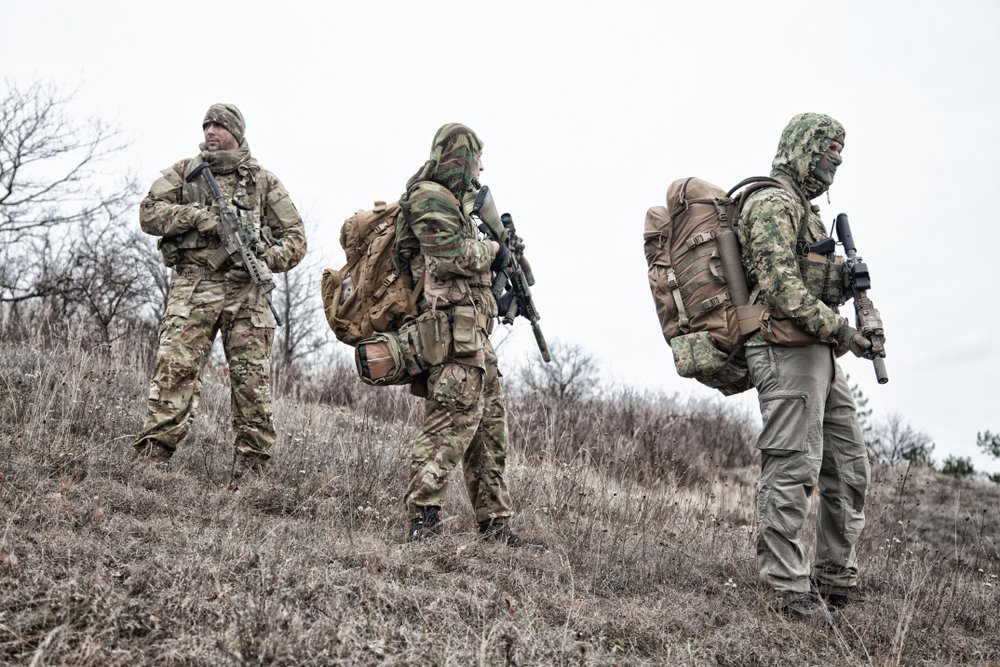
x=822, y=270
x=245, y=198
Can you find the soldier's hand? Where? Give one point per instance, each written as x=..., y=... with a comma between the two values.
x=208, y=223
x=501, y=259
x=877, y=349
x=850, y=338
x=270, y=256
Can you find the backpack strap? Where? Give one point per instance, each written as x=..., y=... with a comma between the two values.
x=756, y=183
x=675, y=291
x=379, y=229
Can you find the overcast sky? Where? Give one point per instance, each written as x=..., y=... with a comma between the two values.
x=588, y=111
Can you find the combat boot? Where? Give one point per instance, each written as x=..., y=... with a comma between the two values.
x=245, y=466
x=152, y=453
x=838, y=596
x=426, y=525
x=497, y=530
x=806, y=607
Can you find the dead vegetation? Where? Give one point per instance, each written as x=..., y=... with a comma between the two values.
x=646, y=504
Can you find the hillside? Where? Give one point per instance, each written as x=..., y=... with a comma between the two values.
x=647, y=516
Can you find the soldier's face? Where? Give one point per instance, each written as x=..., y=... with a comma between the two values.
x=478, y=169
x=219, y=138
x=826, y=168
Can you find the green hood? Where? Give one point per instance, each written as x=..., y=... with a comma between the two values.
x=804, y=140
x=454, y=154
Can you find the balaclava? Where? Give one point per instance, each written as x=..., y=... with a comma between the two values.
x=803, y=155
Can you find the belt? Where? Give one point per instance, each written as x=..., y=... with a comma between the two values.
x=232, y=275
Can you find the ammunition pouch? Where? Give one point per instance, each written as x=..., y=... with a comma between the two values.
x=824, y=278
x=458, y=331
x=464, y=332
x=434, y=337
x=403, y=356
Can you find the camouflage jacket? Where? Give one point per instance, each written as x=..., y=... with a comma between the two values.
x=769, y=230
x=435, y=235
x=173, y=208
x=453, y=262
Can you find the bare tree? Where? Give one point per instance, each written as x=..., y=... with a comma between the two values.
x=51, y=181
x=304, y=332
x=896, y=440
x=571, y=375
x=109, y=279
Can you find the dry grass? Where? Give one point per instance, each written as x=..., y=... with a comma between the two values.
x=646, y=505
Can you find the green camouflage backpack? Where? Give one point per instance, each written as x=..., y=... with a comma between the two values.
x=698, y=283
x=368, y=294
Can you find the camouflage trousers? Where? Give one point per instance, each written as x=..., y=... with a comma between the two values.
x=811, y=437
x=466, y=420
x=199, y=307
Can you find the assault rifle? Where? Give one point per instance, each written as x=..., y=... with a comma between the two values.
x=858, y=281
x=512, y=283
x=236, y=240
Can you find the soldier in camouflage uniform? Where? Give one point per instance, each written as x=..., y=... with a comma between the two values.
x=811, y=436
x=202, y=301
x=466, y=418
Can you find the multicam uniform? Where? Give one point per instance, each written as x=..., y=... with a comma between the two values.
x=203, y=301
x=466, y=416
x=811, y=434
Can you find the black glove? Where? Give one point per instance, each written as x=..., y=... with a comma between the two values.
x=501, y=260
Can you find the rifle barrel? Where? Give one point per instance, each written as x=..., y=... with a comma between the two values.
x=880, y=373
x=844, y=234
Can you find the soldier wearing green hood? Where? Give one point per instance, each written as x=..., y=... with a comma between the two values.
x=203, y=302
x=811, y=436
x=466, y=415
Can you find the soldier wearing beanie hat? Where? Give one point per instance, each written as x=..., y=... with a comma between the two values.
x=211, y=293
x=229, y=117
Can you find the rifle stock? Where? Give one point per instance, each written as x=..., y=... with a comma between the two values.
x=866, y=316
x=236, y=240
x=511, y=284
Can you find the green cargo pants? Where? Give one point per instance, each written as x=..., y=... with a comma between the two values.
x=811, y=437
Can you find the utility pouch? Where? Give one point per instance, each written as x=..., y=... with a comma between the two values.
x=697, y=356
x=389, y=358
x=465, y=336
x=433, y=336
x=380, y=360
x=169, y=252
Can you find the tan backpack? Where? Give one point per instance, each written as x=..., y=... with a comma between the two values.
x=368, y=295
x=697, y=280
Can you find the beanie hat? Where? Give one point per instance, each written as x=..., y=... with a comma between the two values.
x=229, y=117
